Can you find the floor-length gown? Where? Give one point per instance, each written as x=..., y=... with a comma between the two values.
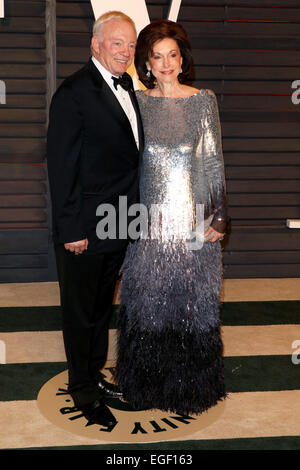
x=169, y=344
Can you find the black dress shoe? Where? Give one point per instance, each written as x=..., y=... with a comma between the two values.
x=108, y=389
x=98, y=413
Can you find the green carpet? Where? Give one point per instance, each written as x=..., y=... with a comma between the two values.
x=242, y=374
x=232, y=313
x=22, y=381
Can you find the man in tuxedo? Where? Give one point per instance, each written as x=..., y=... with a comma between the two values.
x=94, y=142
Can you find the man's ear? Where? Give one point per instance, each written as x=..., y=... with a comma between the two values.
x=95, y=44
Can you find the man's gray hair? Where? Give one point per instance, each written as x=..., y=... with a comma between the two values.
x=108, y=16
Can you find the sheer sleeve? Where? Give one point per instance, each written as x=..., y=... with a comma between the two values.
x=214, y=164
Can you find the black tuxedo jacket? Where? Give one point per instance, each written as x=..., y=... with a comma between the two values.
x=92, y=157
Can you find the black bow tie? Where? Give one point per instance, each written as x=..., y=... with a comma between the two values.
x=125, y=81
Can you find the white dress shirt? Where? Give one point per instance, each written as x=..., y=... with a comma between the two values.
x=122, y=96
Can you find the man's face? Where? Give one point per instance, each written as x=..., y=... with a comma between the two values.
x=115, y=47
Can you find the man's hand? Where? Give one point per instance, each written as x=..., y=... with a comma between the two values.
x=77, y=247
x=214, y=235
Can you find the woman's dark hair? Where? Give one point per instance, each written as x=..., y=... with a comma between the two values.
x=156, y=31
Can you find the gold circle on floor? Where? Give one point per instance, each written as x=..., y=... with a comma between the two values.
x=132, y=426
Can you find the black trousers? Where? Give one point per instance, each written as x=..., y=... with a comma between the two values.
x=87, y=284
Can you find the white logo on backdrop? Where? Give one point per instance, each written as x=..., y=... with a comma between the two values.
x=136, y=9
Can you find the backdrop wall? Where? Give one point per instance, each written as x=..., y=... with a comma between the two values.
x=246, y=51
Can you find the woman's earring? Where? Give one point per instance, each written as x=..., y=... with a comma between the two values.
x=148, y=73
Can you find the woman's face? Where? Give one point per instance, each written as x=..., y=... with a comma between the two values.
x=165, y=60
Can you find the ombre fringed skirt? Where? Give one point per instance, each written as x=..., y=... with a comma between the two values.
x=169, y=343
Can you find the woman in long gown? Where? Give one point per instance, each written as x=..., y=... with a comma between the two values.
x=169, y=345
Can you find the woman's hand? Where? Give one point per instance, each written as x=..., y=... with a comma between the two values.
x=214, y=235
x=77, y=247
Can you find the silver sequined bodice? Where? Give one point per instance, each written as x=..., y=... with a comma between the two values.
x=182, y=163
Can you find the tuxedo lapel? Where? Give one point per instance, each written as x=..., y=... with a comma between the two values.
x=139, y=119
x=109, y=99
